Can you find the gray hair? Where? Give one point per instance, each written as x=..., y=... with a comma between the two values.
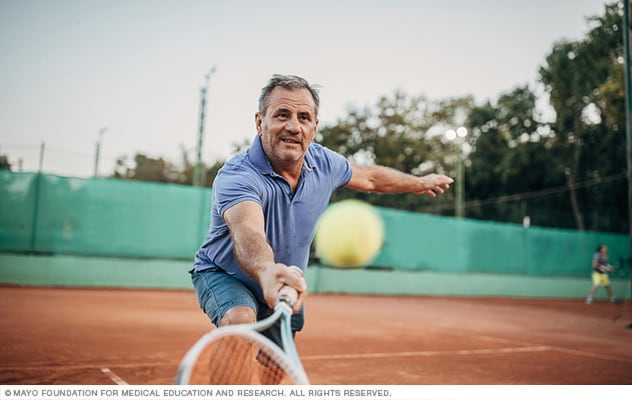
x=289, y=82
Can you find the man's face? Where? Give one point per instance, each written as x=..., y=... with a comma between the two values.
x=288, y=126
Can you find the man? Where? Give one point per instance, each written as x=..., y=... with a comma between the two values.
x=266, y=202
x=600, y=269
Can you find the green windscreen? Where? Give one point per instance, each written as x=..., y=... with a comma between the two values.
x=48, y=214
x=60, y=215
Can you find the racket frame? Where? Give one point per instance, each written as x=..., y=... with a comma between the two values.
x=288, y=359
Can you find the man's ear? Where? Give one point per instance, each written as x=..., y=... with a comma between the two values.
x=258, y=120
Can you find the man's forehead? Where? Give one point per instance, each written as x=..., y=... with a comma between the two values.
x=301, y=99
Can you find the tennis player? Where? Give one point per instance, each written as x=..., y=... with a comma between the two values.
x=600, y=269
x=266, y=202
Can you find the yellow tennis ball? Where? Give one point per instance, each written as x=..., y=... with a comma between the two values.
x=349, y=234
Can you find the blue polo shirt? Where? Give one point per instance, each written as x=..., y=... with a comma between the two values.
x=290, y=218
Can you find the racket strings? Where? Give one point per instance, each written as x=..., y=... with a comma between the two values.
x=237, y=360
x=271, y=372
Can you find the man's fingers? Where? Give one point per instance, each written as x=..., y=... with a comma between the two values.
x=294, y=277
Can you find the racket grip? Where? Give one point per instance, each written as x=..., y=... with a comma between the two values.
x=288, y=294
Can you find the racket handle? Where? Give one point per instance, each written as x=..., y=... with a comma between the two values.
x=288, y=294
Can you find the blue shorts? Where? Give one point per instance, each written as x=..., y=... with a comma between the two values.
x=218, y=292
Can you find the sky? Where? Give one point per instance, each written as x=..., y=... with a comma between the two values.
x=132, y=70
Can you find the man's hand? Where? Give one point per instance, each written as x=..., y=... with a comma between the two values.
x=435, y=184
x=274, y=277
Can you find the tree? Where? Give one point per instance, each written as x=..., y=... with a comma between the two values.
x=508, y=159
x=4, y=162
x=145, y=168
x=403, y=132
x=149, y=169
x=582, y=78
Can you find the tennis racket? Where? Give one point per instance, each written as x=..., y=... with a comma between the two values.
x=606, y=268
x=241, y=355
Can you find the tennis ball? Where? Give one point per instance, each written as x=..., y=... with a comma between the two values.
x=349, y=234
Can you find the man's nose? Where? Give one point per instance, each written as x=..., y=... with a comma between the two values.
x=292, y=125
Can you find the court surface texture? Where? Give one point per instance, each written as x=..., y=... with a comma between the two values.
x=111, y=336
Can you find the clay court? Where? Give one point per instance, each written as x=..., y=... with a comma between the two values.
x=87, y=336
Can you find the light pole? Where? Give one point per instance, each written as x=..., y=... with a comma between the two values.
x=197, y=172
x=458, y=137
x=97, y=152
x=627, y=26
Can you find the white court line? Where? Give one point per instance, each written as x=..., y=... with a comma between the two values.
x=581, y=353
x=590, y=355
x=530, y=347
x=429, y=353
x=115, y=378
x=38, y=366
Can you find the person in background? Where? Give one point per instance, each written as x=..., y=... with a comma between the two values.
x=600, y=269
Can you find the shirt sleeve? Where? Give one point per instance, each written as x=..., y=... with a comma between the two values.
x=232, y=187
x=340, y=168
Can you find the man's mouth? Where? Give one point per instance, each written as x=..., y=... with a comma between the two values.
x=291, y=141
